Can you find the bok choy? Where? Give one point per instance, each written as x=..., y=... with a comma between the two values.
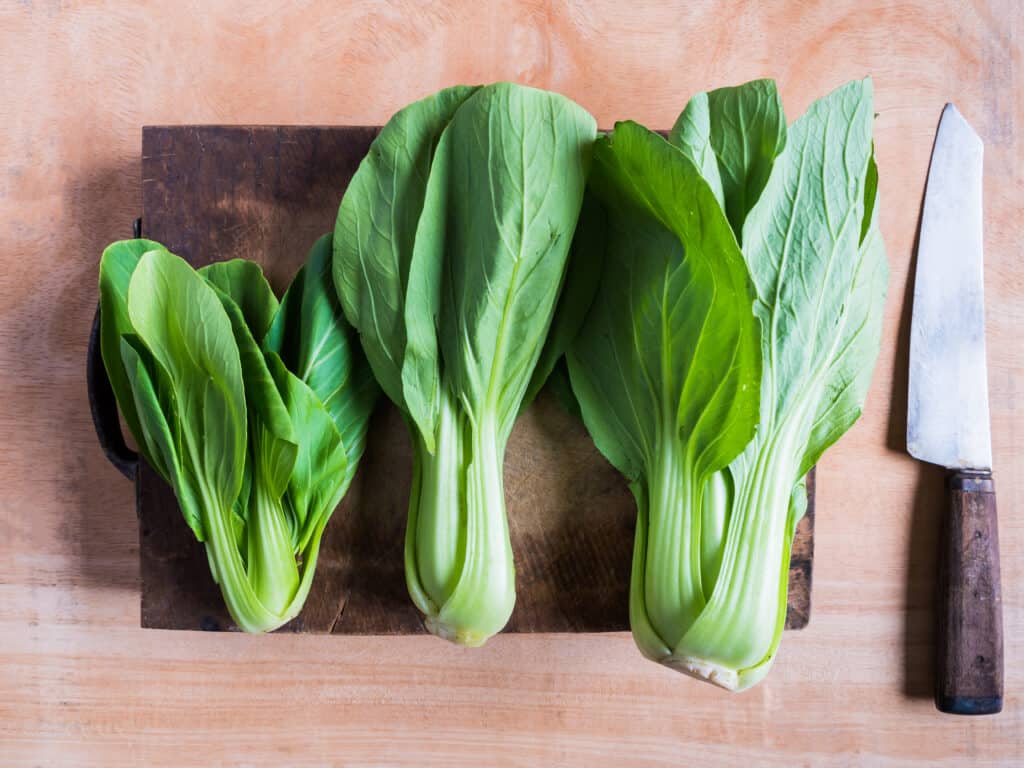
x=255, y=413
x=450, y=247
x=731, y=341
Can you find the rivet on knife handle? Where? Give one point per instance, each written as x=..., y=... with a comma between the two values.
x=970, y=650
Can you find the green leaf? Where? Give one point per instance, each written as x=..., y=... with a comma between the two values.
x=240, y=509
x=243, y=281
x=180, y=319
x=802, y=243
x=870, y=196
x=155, y=411
x=271, y=433
x=586, y=258
x=316, y=343
x=671, y=337
x=733, y=135
x=322, y=468
x=117, y=264
x=158, y=416
x=849, y=372
x=692, y=134
x=327, y=388
x=374, y=239
x=507, y=234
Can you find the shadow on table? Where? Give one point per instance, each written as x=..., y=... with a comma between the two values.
x=97, y=524
x=919, y=620
x=919, y=597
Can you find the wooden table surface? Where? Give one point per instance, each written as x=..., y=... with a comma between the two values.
x=81, y=684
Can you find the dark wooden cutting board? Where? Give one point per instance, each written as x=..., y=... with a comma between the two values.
x=266, y=193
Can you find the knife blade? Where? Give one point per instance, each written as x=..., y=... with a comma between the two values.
x=948, y=418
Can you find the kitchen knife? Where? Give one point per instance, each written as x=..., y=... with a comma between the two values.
x=948, y=420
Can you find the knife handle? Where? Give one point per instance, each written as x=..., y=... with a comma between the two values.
x=970, y=650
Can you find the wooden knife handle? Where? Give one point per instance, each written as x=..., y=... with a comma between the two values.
x=970, y=649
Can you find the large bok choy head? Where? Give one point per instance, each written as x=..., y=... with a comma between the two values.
x=666, y=378
x=450, y=247
x=254, y=413
x=667, y=365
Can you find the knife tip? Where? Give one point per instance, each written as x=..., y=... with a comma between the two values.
x=954, y=119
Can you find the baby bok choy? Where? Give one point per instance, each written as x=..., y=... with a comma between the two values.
x=255, y=413
x=731, y=341
x=450, y=247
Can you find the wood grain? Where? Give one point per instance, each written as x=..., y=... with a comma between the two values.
x=215, y=192
x=82, y=685
x=970, y=633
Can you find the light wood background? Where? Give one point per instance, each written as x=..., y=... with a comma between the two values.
x=81, y=684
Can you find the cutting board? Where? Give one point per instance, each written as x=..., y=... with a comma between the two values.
x=266, y=193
